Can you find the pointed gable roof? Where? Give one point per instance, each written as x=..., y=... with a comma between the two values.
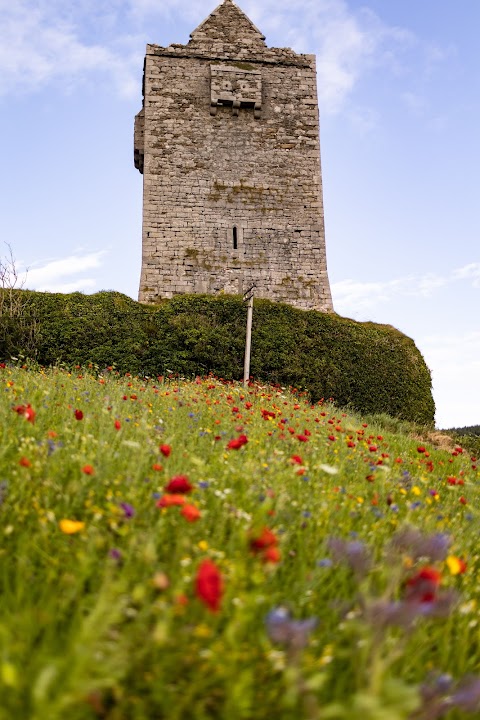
x=229, y=25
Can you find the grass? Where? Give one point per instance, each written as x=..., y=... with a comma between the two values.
x=305, y=608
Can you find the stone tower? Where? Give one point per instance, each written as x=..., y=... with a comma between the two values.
x=228, y=144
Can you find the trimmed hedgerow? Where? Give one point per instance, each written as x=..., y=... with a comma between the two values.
x=369, y=367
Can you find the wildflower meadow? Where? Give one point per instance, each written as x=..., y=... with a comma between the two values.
x=196, y=549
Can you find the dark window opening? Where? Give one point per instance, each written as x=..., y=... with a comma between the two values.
x=235, y=238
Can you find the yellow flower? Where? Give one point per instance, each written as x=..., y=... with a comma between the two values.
x=456, y=565
x=202, y=631
x=70, y=527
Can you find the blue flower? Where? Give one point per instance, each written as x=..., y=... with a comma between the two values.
x=281, y=629
x=324, y=562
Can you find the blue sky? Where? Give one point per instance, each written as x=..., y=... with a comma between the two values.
x=399, y=106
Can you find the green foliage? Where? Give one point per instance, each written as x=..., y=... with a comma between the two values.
x=101, y=615
x=468, y=438
x=473, y=430
x=368, y=367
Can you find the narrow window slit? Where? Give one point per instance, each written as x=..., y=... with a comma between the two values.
x=235, y=238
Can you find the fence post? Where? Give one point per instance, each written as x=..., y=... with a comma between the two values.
x=248, y=339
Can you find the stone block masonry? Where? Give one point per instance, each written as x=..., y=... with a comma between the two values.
x=228, y=144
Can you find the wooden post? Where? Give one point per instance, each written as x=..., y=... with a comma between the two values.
x=248, y=339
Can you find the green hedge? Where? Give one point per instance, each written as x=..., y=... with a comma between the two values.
x=371, y=368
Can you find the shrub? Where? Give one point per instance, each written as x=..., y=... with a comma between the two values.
x=368, y=367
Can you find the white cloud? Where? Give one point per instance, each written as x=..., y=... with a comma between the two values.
x=80, y=285
x=346, y=43
x=193, y=11
x=469, y=271
x=455, y=363
x=436, y=55
x=47, y=41
x=54, y=276
x=350, y=295
x=41, y=43
x=415, y=102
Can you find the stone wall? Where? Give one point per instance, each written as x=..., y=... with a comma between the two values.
x=228, y=144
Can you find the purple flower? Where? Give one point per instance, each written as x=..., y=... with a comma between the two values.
x=283, y=630
x=128, y=509
x=115, y=554
x=353, y=553
x=440, y=694
x=415, y=543
x=467, y=695
x=404, y=613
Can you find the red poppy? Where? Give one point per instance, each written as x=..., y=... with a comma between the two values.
x=209, y=585
x=302, y=438
x=78, y=415
x=297, y=459
x=266, y=539
x=267, y=414
x=237, y=443
x=271, y=555
x=24, y=462
x=179, y=484
x=117, y=424
x=165, y=450
x=171, y=499
x=88, y=470
x=27, y=411
x=423, y=586
x=190, y=513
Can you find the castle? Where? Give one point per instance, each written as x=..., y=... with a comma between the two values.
x=228, y=145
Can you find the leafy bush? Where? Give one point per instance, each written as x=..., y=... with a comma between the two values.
x=368, y=367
